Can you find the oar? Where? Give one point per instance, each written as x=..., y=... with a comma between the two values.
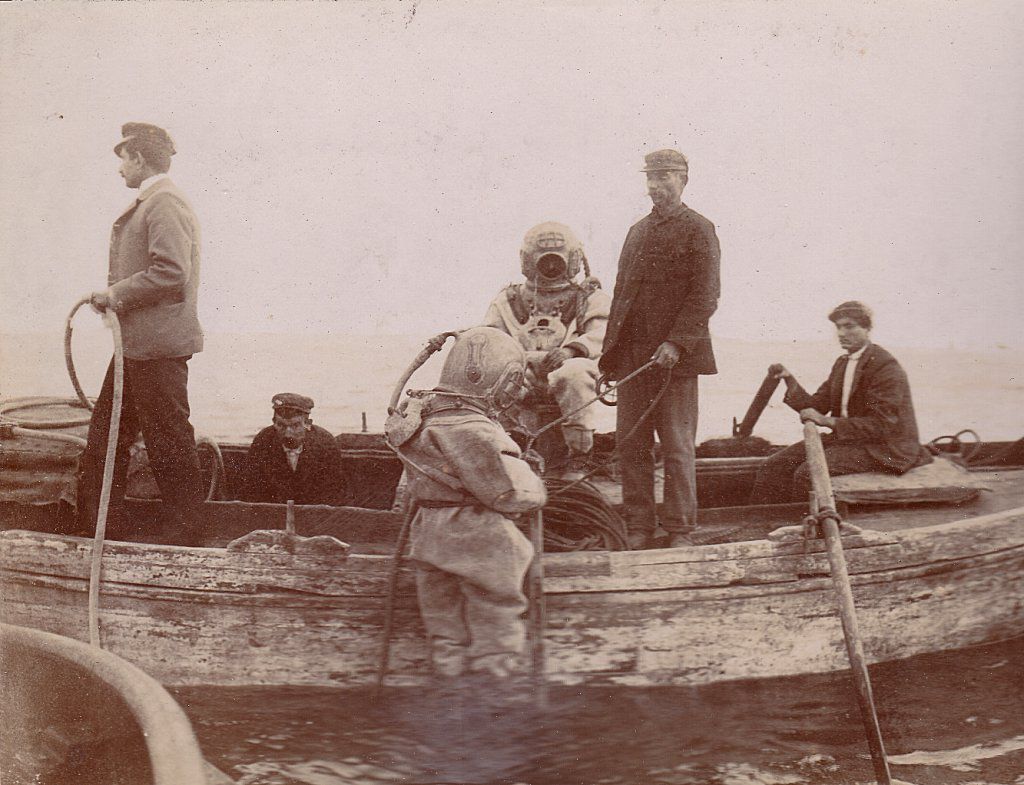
x=825, y=506
x=761, y=398
x=536, y=616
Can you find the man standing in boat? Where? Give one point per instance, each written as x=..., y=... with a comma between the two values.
x=293, y=459
x=666, y=291
x=561, y=324
x=467, y=482
x=153, y=285
x=866, y=404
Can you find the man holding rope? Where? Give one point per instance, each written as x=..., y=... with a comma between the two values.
x=666, y=291
x=153, y=284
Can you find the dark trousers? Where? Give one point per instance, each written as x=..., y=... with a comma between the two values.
x=155, y=401
x=786, y=477
x=675, y=421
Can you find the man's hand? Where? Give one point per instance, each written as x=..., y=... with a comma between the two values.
x=779, y=371
x=816, y=417
x=554, y=360
x=666, y=355
x=99, y=301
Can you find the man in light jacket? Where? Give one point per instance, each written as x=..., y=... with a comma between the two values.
x=153, y=283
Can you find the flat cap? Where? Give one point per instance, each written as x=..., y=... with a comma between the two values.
x=665, y=161
x=856, y=310
x=146, y=135
x=299, y=403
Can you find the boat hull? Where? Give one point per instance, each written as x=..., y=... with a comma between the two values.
x=74, y=713
x=681, y=616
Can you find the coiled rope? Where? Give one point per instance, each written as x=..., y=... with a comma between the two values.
x=578, y=517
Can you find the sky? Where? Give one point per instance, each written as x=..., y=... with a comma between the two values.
x=372, y=167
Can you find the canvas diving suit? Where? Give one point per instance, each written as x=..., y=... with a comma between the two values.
x=553, y=316
x=468, y=481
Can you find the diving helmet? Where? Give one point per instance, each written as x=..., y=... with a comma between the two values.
x=551, y=255
x=485, y=363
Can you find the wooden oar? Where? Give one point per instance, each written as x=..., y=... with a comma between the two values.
x=824, y=502
x=761, y=398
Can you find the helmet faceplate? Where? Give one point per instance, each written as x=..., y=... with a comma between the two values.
x=551, y=255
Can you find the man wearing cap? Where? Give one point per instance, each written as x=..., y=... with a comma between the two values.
x=666, y=291
x=560, y=322
x=153, y=284
x=293, y=459
x=866, y=404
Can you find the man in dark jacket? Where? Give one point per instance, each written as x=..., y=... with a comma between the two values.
x=293, y=459
x=865, y=402
x=666, y=290
x=153, y=283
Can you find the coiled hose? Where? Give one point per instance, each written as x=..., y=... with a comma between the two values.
x=578, y=517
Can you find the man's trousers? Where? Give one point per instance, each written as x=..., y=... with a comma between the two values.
x=786, y=477
x=674, y=418
x=155, y=401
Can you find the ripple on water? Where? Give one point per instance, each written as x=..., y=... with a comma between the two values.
x=948, y=719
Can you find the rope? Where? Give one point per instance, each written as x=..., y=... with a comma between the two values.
x=69, y=360
x=218, y=472
x=578, y=517
x=966, y=453
x=632, y=431
x=600, y=396
x=34, y=402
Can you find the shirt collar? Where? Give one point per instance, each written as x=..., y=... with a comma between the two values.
x=859, y=353
x=152, y=180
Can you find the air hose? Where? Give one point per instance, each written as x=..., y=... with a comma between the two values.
x=108, y=464
x=578, y=517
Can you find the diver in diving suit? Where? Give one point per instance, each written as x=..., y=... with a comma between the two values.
x=466, y=476
x=561, y=324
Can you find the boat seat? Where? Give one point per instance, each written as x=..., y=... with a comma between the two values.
x=941, y=481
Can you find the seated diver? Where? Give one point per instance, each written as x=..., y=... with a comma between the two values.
x=561, y=325
x=865, y=402
x=293, y=459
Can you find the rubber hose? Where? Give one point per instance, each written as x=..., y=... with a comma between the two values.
x=108, y=476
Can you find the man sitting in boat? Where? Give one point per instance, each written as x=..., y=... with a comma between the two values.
x=865, y=402
x=468, y=481
x=561, y=325
x=293, y=459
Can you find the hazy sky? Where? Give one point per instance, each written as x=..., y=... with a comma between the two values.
x=372, y=167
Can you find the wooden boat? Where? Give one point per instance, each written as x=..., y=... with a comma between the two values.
x=74, y=713
x=926, y=577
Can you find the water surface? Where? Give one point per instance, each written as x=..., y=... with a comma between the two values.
x=952, y=718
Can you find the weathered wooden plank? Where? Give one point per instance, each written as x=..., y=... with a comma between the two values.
x=750, y=563
x=637, y=637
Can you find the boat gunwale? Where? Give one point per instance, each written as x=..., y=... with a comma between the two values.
x=784, y=563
